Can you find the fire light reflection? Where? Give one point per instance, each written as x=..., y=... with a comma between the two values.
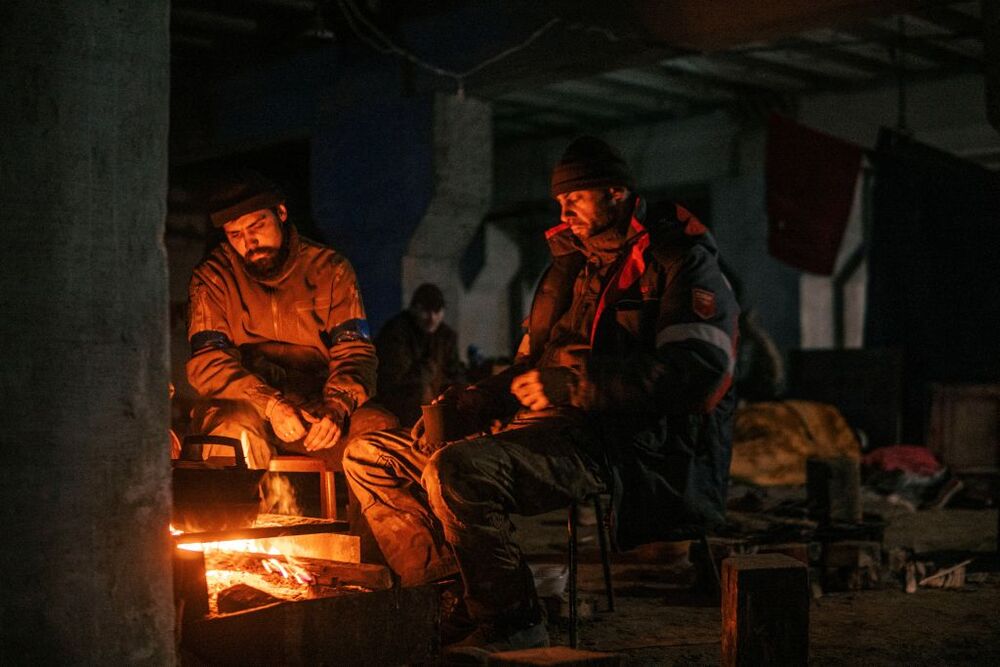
x=251, y=563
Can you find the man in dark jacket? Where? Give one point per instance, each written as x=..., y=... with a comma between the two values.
x=417, y=355
x=622, y=383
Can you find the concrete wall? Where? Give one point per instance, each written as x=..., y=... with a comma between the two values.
x=486, y=304
x=726, y=156
x=85, y=488
x=462, y=188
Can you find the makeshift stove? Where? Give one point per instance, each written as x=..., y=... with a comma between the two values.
x=292, y=590
x=288, y=590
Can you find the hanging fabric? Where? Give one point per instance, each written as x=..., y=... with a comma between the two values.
x=811, y=178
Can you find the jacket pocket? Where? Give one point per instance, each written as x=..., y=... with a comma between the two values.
x=628, y=315
x=311, y=316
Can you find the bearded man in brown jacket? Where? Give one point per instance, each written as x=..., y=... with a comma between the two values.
x=280, y=347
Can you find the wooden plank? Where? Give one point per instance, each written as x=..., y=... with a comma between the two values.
x=262, y=532
x=765, y=611
x=561, y=656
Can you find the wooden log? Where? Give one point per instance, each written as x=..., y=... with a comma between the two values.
x=241, y=596
x=851, y=565
x=190, y=587
x=797, y=550
x=852, y=553
x=765, y=611
x=833, y=488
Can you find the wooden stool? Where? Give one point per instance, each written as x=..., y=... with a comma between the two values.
x=327, y=480
x=765, y=611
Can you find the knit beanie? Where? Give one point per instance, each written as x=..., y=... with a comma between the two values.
x=590, y=163
x=240, y=192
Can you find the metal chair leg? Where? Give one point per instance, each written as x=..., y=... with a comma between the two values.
x=710, y=561
x=571, y=526
x=602, y=539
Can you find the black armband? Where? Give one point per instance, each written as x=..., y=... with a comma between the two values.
x=209, y=339
x=347, y=331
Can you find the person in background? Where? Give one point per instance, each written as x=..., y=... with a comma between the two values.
x=418, y=355
x=623, y=383
x=280, y=348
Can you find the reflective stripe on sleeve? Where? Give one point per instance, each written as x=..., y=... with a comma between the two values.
x=704, y=332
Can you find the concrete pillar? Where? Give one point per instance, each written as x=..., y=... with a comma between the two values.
x=486, y=304
x=462, y=169
x=991, y=52
x=85, y=489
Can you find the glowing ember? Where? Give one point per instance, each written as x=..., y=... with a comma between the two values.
x=220, y=580
x=253, y=563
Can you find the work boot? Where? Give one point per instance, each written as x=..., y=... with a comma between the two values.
x=456, y=623
x=524, y=630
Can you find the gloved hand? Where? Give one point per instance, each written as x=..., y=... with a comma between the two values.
x=542, y=388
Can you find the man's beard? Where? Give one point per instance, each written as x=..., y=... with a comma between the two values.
x=266, y=263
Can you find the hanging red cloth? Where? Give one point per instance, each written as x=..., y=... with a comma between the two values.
x=810, y=188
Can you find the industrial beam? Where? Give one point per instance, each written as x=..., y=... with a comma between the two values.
x=921, y=47
x=216, y=21
x=804, y=77
x=951, y=19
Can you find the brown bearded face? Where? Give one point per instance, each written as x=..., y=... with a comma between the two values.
x=267, y=263
x=260, y=238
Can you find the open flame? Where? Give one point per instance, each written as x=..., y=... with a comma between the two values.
x=253, y=563
x=277, y=495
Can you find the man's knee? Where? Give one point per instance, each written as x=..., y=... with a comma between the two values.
x=211, y=416
x=369, y=450
x=455, y=472
x=369, y=418
x=233, y=419
x=358, y=454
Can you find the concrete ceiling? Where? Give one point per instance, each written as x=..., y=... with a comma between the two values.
x=569, y=67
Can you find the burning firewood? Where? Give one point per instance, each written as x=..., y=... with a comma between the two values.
x=242, y=596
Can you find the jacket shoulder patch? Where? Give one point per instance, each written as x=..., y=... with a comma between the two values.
x=703, y=303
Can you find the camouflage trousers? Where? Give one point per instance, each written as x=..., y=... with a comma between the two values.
x=448, y=512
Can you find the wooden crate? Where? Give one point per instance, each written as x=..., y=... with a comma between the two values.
x=964, y=427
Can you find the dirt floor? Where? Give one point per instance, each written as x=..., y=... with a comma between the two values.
x=659, y=619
